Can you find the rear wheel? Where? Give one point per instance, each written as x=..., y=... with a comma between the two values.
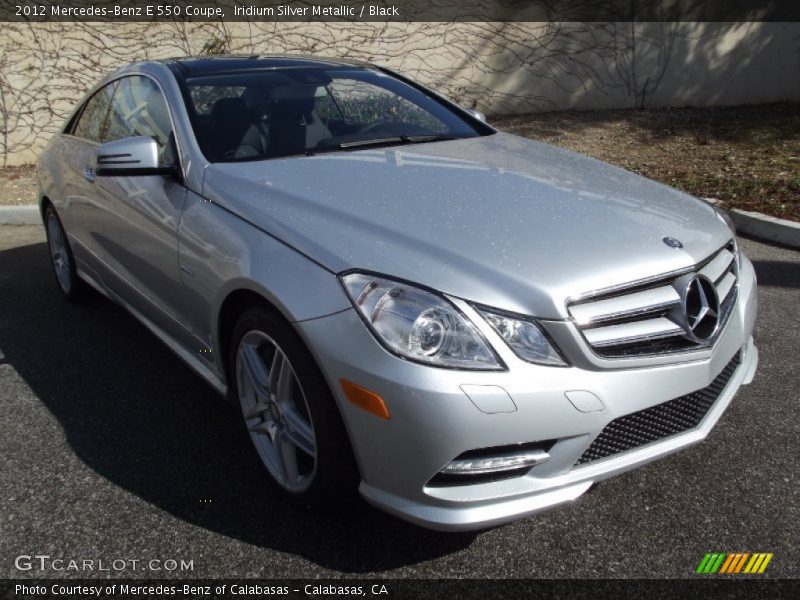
x=288, y=411
x=61, y=258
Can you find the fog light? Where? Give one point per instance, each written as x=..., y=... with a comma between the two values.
x=477, y=466
x=492, y=464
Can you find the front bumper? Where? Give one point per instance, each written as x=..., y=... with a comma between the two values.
x=433, y=420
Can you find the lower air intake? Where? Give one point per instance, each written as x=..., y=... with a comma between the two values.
x=658, y=422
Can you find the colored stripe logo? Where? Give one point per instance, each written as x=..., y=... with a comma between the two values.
x=732, y=563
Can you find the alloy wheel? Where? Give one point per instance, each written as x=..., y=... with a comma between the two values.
x=59, y=254
x=276, y=411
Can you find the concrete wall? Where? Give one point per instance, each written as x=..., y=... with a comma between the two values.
x=500, y=68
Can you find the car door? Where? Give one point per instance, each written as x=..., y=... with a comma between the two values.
x=138, y=238
x=81, y=210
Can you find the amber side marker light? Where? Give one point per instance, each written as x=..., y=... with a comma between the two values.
x=365, y=399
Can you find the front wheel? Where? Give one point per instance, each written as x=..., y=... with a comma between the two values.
x=288, y=411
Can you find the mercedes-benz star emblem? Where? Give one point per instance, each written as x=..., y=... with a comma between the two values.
x=672, y=242
x=700, y=307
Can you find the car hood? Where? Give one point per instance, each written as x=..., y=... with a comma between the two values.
x=498, y=220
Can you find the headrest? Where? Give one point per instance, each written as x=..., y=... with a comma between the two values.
x=294, y=92
x=226, y=108
x=256, y=96
x=293, y=100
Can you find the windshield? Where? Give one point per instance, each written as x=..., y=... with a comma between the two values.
x=284, y=112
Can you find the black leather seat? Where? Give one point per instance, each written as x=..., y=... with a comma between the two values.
x=235, y=131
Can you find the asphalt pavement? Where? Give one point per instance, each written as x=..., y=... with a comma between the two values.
x=113, y=449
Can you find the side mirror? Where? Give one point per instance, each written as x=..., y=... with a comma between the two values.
x=477, y=114
x=130, y=156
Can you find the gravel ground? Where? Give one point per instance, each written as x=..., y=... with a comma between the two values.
x=113, y=449
x=17, y=185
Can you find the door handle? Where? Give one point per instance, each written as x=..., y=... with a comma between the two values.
x=89, y=174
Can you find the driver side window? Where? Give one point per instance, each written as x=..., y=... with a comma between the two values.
x=139, y=109
x=91, y=124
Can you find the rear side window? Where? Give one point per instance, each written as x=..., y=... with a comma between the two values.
x=91, y=124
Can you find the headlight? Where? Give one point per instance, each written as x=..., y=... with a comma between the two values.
x=726, y=218
x=419, y=325
x=525, y=338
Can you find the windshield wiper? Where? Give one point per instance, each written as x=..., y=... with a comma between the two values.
x=439, y=137
x=399, y=139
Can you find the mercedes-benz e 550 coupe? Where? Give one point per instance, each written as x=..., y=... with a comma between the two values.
x=463, y=325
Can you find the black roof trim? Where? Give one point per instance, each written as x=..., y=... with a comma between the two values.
x=191, y=66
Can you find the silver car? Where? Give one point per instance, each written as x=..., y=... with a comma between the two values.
x=465, y=326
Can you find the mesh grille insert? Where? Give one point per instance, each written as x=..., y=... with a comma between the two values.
x=658, y=422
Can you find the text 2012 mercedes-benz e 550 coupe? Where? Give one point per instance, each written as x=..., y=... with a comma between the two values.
x=464, y=325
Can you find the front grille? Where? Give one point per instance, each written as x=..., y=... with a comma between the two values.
x=658, y=422
x=643, y=320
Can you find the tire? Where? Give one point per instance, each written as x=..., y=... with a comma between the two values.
x=288, y=412
x=61, y=258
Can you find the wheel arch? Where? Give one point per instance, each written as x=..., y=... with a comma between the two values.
x=241, y=292
x=235, y=303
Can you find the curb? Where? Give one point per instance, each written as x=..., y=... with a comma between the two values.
x=757, y=225
x=27, y=214
x=766, y=228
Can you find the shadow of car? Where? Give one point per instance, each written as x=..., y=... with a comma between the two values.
x=142, y=420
